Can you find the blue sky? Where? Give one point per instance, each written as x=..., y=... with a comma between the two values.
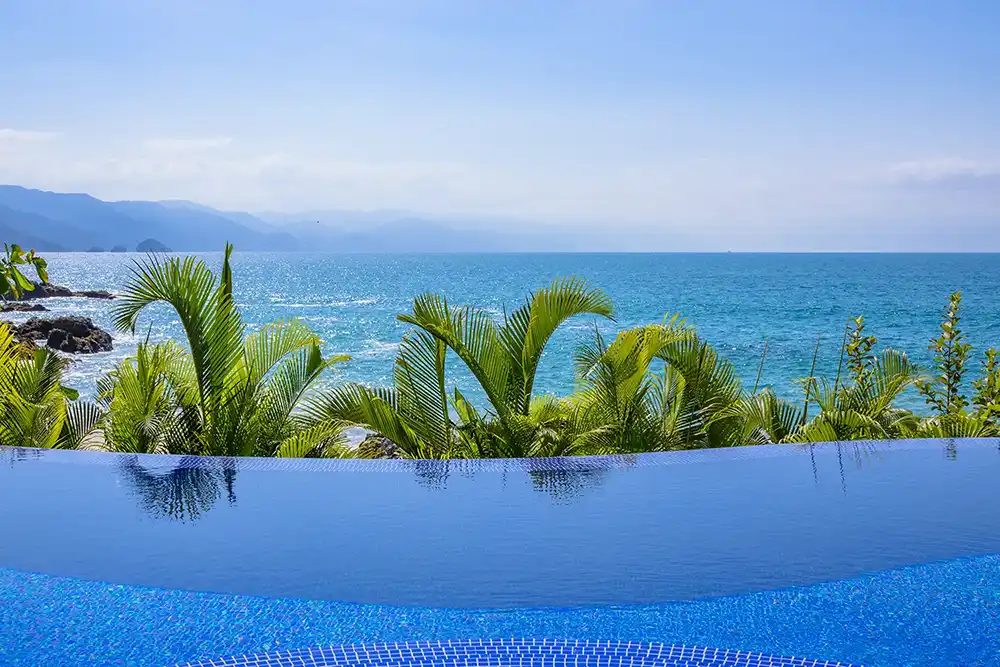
x=748, y=119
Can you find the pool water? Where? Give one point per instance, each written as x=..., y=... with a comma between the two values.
x=862, y=553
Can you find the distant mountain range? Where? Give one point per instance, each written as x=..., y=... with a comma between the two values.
x=54, y=222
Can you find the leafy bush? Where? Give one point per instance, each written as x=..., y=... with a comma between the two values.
x=651, y=388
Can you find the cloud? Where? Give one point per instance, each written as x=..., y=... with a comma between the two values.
x=720, y=193
x=185, y=144
x=23, y=136
x=943, y=171
x=264, y=181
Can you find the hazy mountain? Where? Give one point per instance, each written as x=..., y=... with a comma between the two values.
x=253, y=222
x=79, y=222
x=23, y=228
x=186, y=228
x=422, y=235
x=336, y=218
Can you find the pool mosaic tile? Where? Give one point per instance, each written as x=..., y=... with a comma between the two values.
x=514, y=653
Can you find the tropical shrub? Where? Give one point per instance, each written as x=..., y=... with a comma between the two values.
x=424, y=419
x=653, y=388
x=12, y=279
x=36, y=410
x=228, y=393
x=863, y=407
x=944, y=390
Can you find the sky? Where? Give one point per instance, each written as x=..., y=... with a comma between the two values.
x=745, y=123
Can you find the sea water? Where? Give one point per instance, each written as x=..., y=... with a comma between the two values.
x=736, y=301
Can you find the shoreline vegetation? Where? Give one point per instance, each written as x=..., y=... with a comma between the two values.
x=658, y=387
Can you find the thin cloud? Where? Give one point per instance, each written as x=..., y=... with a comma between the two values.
x=943, y=171
x=8, y=134
x=185, y=144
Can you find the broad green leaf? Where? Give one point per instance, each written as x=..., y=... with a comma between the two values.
x=22, y=281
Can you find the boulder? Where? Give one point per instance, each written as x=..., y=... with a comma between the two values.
x=378, y=447
x=21, y=307
x=45, y=291
x=94, y=294
x=48, y=290
x=73, y=334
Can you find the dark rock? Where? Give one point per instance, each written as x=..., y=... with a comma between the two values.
x=57, y=338
x=151, y=245
x=45, y=291
x=119, y=248
x=94, y=294
x=21, y=307
x=48, y=290
x=378, y=447
x=67, y=334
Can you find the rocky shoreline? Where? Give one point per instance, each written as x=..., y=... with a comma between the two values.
x=66, y=333
x=49, y=291
x=22, y=307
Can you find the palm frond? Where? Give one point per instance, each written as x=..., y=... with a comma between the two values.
x=528, y=329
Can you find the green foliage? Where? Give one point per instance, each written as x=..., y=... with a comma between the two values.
x=943, y=392
x=987, y=389
x=12, y=278
x=151, y=401
x=660, y=387
x=865, y=408
x=424, y=419
x=860, y=359
x=628, y=399
x=228, y=393
x=36, y=410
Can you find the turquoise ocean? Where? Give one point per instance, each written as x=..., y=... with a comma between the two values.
x=737, y=301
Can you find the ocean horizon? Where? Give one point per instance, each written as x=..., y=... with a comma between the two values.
x=736, y=300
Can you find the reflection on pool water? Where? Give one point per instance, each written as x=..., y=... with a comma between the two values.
x=865, y=553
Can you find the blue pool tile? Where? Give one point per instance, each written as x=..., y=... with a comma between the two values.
x=514, y=653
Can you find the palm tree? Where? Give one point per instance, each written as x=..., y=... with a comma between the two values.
x=864, y=409
x=655, y=388
x=36, y=410
x=503, y=357
x=621, y=404
x=151, y=402
x=762, y=418
x=229, y=394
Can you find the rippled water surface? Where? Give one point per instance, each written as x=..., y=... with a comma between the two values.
x=737, y=301
x=620, y=530
x=882, y=554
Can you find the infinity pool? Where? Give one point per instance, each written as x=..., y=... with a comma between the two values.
x=859, y=553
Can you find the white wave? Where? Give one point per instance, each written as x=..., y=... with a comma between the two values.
x=379, y=348
x=354, y=302
x=332, y=304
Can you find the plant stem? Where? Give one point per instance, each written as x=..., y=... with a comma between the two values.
x=810, y=380
x=760, y=368
x=840, y=364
